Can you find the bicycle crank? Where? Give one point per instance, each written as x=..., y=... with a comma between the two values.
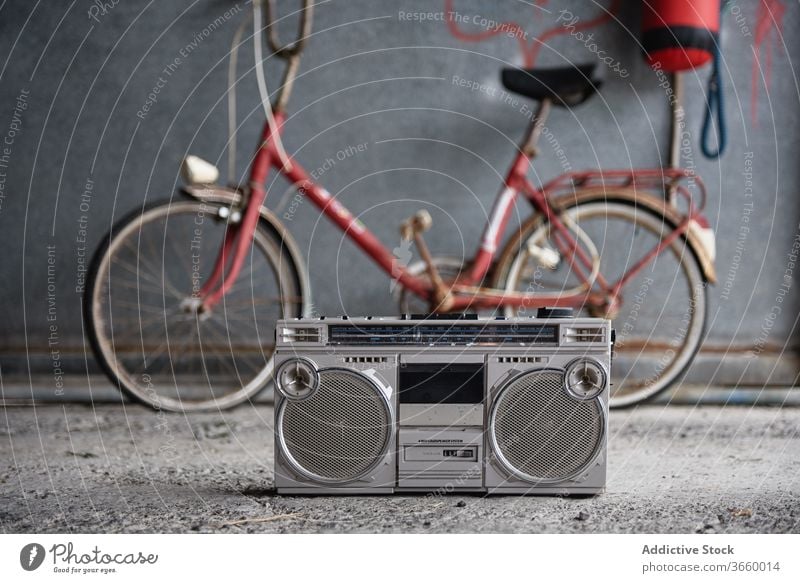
x=441, y=299
x=608, y=309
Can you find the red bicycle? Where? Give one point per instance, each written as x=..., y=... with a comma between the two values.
x=184, y=295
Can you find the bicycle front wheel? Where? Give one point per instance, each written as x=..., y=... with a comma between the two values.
x=142, y=317
x=660, y=317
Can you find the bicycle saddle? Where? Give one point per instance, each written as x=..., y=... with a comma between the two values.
x=565, y=86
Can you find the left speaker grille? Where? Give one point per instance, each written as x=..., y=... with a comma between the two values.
x=341, y=432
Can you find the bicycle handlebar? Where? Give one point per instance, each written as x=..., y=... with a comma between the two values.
x=292, y=49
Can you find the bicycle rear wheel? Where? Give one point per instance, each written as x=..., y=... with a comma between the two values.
x=142, y=317
x=661, y=316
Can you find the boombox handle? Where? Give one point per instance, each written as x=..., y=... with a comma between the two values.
x=289, y=52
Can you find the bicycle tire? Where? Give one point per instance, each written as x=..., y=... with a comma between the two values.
x=266, y=240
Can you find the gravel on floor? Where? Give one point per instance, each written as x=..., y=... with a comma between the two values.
x=78, y=468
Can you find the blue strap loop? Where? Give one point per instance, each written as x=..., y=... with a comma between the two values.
x=715, y=103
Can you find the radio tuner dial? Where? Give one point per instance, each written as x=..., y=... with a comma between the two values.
x=297, y=379
x=585, y=379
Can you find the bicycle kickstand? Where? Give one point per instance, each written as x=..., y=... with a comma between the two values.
x=412, y=228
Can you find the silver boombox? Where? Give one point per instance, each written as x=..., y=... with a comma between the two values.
x=426, y=404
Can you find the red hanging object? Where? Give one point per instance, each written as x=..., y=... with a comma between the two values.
x=678, y=35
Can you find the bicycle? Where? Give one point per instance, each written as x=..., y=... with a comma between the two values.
x=183, y=296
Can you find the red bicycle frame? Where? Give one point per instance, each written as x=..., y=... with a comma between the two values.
x=466, y=291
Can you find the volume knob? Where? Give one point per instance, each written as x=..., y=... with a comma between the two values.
x=585, y=378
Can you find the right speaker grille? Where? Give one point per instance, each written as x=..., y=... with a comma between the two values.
x=341, y=432
x=540, y=433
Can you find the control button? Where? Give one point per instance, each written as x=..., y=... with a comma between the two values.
x=554, y=313
x=459, y=316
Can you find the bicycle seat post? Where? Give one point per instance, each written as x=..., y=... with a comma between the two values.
x=535, y=129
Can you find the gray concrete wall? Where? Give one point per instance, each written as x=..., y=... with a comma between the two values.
x=74, y=76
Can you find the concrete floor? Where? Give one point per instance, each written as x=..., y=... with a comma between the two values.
x=75, y=468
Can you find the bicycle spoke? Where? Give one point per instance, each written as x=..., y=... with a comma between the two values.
x=139, y=323
x=138, y=306
x=164, y=285
x=224, y=360
x=152, y=272
x=139, y=286
x=269, y=301
x=163, y=272
x=245, y=319
x=180, y=255
x=225, y=331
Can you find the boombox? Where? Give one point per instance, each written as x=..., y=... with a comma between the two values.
x=426, y=404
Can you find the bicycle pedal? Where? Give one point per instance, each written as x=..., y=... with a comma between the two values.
x=419, y=222
x=422, y=220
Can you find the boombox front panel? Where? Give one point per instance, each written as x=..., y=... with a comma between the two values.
x=492, y=418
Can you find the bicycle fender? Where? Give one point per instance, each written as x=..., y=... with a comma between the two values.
x=230, y=196
x=699, y=235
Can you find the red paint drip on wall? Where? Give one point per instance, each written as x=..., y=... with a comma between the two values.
x=528, y=52
x=769, y=29
x=540, y=4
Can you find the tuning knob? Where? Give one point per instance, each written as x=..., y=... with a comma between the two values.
x=297, y=379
